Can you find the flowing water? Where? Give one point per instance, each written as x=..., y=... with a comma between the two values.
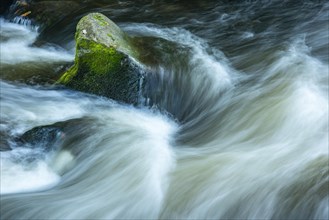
x=233, y=123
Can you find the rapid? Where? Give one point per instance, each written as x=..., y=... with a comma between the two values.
x=233, y=122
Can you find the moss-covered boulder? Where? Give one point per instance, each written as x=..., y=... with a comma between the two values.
x=104, y=61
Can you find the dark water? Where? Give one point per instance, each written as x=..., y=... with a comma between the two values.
x=234, y=122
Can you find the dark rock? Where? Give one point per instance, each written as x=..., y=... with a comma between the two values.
x=44, y=137
x=60, y=135
x=104, y=61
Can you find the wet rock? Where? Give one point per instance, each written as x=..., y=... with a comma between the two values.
x=61, y=135
x=61, y=141
x=104, y=61
x=43, y=137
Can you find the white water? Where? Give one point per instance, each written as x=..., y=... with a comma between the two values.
x=200, y=60
x=256, y=151
x=17, y=176
x=130, y=156
x=18, y=46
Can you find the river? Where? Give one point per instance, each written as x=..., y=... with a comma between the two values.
x=233, y=122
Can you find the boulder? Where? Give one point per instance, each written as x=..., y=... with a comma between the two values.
x=104, y=61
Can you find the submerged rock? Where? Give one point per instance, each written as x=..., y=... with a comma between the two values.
x=43, y=137
x=60, y=135
x=104, y=61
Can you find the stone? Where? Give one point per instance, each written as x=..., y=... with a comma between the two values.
x=60, y=135
x=105, y=61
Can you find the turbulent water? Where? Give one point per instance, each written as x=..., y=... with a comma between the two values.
x=233, y=123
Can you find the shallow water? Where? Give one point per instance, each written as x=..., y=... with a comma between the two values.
x=234, y=122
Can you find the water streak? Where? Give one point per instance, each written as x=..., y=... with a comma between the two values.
x=225, y=132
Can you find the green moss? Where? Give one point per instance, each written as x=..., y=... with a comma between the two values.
x=101, y=70
x=99, y=58
x=100, y=20
x=96, y=59
x=66, y=77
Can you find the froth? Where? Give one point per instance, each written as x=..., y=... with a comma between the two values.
x=17, y=46
x=17, y=176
